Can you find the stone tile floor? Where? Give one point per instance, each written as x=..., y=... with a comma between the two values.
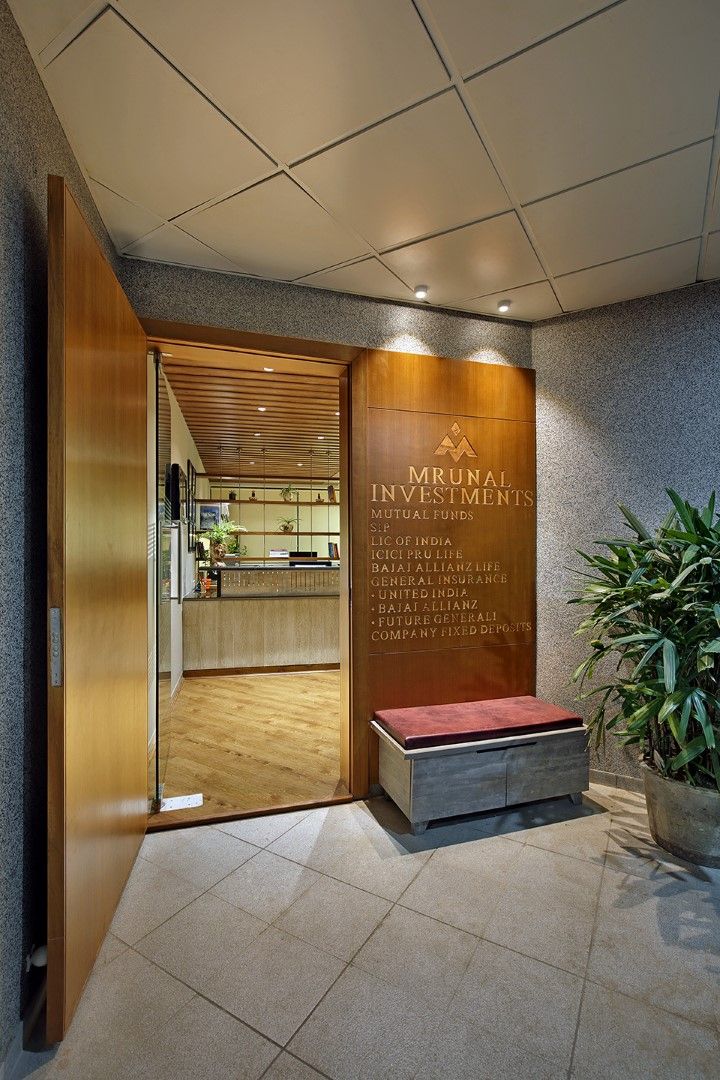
x=547, y=942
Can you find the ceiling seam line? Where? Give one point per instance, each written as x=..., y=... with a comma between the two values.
x=712, y=195
x=542, y=41
x=620, y=171
x=624, y=258
x=483, y=135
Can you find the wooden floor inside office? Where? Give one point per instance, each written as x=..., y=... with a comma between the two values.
x=252, y=742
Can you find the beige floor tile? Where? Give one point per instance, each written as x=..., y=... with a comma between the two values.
x=275, y=984
x=202, y=855
x=111, y=948
x=266, y=885
x=365, y=1029
x=348, y=843
x=201, y=1042
x=152, y=895
x=622, y=1039
x=460, y=1053
x=203, y=942
x=582, y=838
x=261, y=831
x=123, y=1005
x=659, y=940
x=418, y=955
x=547, y=908
x=334, y=916
x=635, y=852
x=515, y=1000
x=462, y=887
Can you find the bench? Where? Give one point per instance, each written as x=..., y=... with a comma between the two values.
x=444, y=760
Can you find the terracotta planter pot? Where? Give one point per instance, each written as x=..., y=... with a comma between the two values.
x=683, y=820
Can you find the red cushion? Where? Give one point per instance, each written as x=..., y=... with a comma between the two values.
x=470, y=721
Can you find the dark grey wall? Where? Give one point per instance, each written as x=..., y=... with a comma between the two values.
x=32, y=144
x=208, y=299
x=628, y=405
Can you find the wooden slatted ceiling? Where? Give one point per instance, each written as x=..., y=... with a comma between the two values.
x=221, y=406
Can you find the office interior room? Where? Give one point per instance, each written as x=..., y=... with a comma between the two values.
x=339, y=339
x=246, y=710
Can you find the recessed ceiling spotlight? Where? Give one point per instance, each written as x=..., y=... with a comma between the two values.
x=166, y=354
x=421, y=292
x=262, y=408
x=321, y=437
x=268, y=369
x=252, y=462
x=504, y=305
x=299, y=464
x=337, y=413
x=257, y=434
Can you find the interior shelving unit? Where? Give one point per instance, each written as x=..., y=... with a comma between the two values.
x=314, y=509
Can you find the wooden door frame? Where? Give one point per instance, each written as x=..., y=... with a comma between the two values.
x=307, y=352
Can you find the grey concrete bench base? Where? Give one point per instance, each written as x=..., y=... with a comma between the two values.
x=465, y=778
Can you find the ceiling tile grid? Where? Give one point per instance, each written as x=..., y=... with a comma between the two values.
x=558, y=156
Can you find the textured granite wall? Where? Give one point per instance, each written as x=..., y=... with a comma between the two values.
x=628, y=405
x=32, y=144
x=195, y=296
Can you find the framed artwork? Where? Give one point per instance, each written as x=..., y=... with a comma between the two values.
x=210, y=514
x=191, y=507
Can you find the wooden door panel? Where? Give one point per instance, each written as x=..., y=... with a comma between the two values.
x=97, y=578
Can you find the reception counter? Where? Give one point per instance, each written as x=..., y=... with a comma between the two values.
x=263, y=619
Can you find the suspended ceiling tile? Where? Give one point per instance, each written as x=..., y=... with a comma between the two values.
x=648, y=206
x=369, y=278
x=472, y=261
x=529, y=303
x=636, y=81
x=715, y=203
x=139, y=127
x=421, y=172
x=711, y=264
x=123, y=220
x=274, y=230
x=640, y=275
x=172, y=245
x=481, y=32
x=42, y=20
x=298, y=74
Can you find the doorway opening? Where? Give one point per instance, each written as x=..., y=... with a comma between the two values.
x=251, y=608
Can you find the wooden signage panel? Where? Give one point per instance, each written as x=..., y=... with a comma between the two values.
x=443, y=533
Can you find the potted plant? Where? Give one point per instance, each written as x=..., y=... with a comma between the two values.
x=654, y=602
x=288, y=492
x=286, y=524
x=219, y=537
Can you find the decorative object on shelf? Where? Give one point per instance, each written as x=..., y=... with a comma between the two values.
x=221, y=537
x=654, y=622
x=288, y=493
x=287, y=525
x=331, y=493
x=253, y=497
x=232, y=496
x=319, y=499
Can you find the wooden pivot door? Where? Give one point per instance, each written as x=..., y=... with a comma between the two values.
x=97, y=600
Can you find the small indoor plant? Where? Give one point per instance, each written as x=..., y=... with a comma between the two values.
x=220, y=536
x=654, y=601
x=286, y=524
x=288, y=492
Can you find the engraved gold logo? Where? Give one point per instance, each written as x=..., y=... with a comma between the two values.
x=456, y=450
